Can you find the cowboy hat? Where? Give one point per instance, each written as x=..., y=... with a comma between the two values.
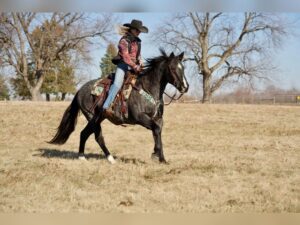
x=137, y=24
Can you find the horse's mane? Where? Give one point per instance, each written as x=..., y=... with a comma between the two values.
x=153, y=63
x=152, y=70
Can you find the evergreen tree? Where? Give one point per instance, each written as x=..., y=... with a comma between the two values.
x=19, y=86
x=4, y=92
x=106, y=65
x=60, y=79
x=66, y=80
x=50, y=83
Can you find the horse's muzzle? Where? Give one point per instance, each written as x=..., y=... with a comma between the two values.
x=184, y=89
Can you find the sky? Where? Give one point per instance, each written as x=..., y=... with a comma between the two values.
x=286, y=58
x=288, y=61
x=151, y=6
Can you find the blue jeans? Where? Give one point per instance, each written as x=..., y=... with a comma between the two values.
x=122, y=68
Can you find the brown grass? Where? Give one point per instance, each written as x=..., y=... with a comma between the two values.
x=223, y=158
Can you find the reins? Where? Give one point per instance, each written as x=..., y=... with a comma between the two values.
x=173, y=97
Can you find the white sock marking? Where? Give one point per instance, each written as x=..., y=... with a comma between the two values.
x=82, y=158
x=111, y=159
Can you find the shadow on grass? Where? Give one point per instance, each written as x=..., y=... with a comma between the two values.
x=64, y=154
x=130, y=160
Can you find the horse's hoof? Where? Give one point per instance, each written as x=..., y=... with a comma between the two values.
x=111, y=159
x=155, y=157
x=163, y=161
x=82, y=158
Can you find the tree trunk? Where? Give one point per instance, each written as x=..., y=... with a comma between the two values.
x=47, y=97
x=207, y=94
x=36, y=90
x=63, y=96
x=36, y=95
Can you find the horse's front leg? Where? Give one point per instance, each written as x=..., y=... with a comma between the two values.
x=158, y=147
x=156, y=126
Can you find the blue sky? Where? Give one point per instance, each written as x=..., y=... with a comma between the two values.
x=151, y=6
x=286, y=58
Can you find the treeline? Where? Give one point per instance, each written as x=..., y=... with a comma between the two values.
x=247, y=95
x=269, y=95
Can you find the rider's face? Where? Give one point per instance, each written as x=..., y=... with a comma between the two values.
x=135, y=32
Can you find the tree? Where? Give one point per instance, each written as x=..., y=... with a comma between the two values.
x=19, y=85
x=59, y=75
x=60, y=78
x=224, y=47
x=37, y=40
x=66, y=80
x=106, y=65
x=4, y=92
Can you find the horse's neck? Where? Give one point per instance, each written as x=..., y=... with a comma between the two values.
x=154, y=83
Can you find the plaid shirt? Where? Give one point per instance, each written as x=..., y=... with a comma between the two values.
x=129, y=58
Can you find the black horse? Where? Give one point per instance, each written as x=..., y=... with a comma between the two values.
x=158, y=72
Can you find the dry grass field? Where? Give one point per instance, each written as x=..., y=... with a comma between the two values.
x=222, y=158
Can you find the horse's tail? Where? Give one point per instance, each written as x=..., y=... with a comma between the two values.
x=67, y=123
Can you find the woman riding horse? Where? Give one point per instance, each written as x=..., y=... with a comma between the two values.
x=146, y=95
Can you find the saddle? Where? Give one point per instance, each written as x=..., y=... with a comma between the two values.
x=119, y=106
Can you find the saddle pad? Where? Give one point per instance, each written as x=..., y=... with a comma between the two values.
x=97, y=90
x=100, y=85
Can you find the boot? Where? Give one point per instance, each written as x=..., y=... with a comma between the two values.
x=108, y=112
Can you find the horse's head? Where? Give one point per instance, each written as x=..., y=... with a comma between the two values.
x=175, y=73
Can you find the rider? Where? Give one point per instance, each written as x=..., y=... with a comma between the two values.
x=128, y=58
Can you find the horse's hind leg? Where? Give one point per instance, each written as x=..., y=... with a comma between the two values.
x=84, y=135
x=100, y=140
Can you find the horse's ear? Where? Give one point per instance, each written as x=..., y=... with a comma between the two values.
x=180, y=57
x=172, y=55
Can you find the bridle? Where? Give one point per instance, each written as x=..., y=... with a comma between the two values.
x=174, y=76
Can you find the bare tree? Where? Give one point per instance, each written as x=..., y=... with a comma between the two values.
x=28, y=39
x=224, y=47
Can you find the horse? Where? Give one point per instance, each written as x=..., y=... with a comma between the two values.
x=157, y=73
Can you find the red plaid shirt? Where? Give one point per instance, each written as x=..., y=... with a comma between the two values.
x=129, y=58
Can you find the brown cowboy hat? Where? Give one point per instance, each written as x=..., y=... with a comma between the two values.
x=137, y=24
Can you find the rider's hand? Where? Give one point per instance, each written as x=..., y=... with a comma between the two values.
x=141, y=64
x=137, y=69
